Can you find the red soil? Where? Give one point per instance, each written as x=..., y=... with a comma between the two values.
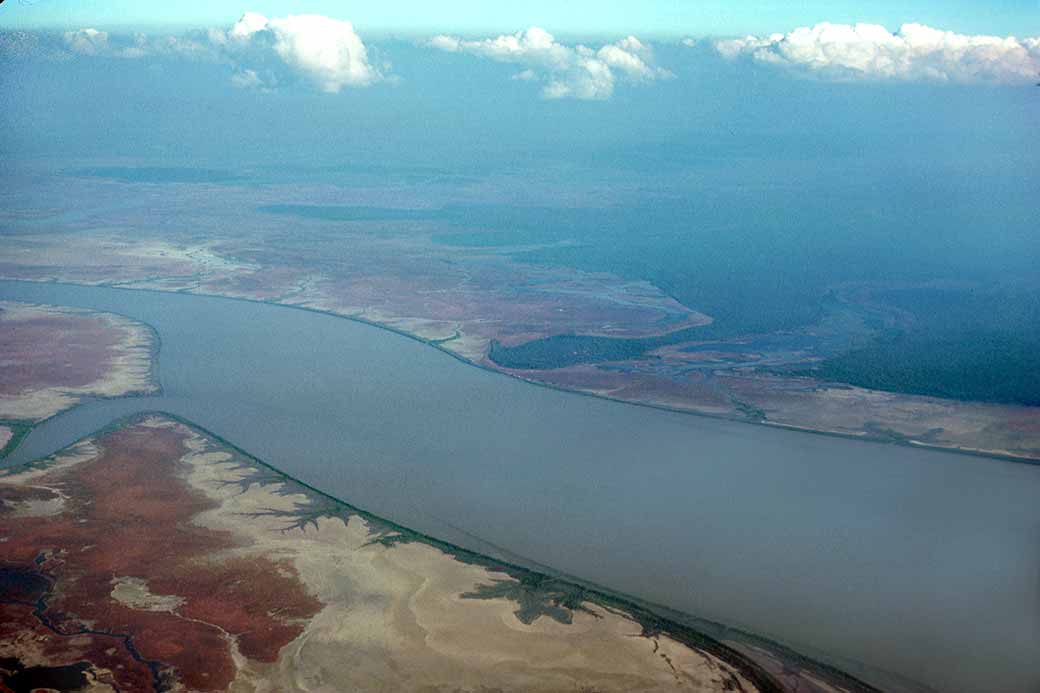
x=129, y=515
x=11, y=495
x=66, y=351
x=18, y=625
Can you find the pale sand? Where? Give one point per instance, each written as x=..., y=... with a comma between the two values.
x=129, y=367
x=970, y=426
x=394, y=618
x=134, y=593
x=83, y=451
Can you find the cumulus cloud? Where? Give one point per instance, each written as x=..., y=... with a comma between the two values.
x=326, y=52
x=565, y=71
x=265, y=53
x=914, y=52
x=87, y=41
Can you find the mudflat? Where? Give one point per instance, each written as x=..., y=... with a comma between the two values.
x=153, y=557
x=54, y=356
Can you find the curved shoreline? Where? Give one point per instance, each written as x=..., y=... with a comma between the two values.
x=26, y=426
x=436, y=344
x=184, y=322
x=653, y=618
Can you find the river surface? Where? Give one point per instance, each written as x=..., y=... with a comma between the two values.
x=922, y=563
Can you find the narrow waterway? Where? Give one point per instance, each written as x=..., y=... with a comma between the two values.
x=918, y=562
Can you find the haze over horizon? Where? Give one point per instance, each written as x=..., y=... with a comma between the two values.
x=655, y=18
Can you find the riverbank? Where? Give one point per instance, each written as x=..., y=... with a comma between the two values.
x=54, y=357
x=272, y=512
x=709, y=511
x=440, y=345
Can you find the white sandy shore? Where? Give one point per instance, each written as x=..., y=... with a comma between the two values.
x=128, y=367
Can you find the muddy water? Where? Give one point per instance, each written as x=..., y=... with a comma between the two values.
x=922, y=563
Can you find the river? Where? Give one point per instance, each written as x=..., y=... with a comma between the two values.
x=918, y=562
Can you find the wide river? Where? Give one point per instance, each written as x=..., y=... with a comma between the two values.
x=922, y=563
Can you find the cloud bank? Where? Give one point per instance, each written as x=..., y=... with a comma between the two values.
x=914, y=52
x=577, y=72
x=265, y=53
x=329, y=55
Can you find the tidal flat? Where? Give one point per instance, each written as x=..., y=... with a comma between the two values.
x=835, y=548
x=153, y=557
x=564, y=296
x=54, y=356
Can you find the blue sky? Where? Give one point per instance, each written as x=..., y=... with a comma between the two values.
x=576, y=17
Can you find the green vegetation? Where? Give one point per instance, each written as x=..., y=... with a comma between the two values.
x=18, y=430
x=750, y=411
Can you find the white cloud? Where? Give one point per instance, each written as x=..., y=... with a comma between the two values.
x=249, y=24
x=87, y=41
x=327, y=52
x=247, y=79
x=631, y=57
x=94, y=43
x=446, y=43
x=914, y=52
x=565, y=71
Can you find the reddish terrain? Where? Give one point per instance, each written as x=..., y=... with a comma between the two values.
x=152, y=557
x=51, y=357
x=127, y=513
x=66, y=351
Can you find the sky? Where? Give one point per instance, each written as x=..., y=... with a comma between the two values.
x=647, y=18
